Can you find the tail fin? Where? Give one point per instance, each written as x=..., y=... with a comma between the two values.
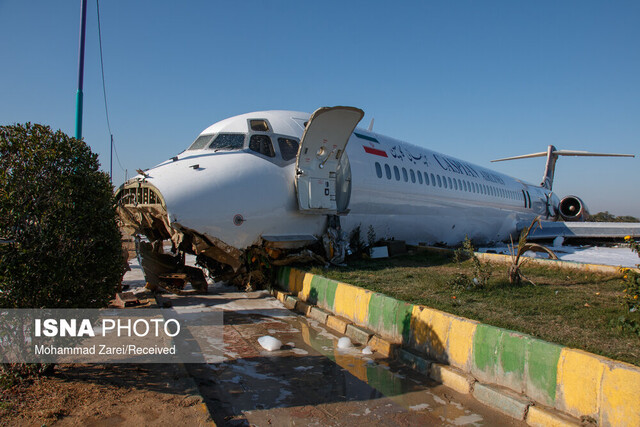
x=552, y=156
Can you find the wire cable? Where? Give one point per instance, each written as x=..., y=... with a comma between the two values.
x=104, y=89
x=117, y=157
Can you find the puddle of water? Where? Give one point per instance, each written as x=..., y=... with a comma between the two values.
x=311, y=371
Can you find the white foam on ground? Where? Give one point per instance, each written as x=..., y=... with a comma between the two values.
x=344, y=343
x=270, y=343
x=615, y=256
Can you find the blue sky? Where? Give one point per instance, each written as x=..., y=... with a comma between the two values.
x=477, y=80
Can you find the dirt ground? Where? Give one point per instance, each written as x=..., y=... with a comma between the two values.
x=101, y=395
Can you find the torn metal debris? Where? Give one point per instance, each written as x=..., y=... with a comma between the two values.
x=143, y=212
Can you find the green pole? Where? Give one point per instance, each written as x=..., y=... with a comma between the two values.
x=79, y=114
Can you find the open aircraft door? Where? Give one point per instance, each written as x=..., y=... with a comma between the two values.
x=318, y=163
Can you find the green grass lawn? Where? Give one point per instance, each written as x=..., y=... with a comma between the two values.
x=567, y=307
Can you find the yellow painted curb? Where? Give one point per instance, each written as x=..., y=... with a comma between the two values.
x=452, y=378
x=429, y=331
x=460, y=342
x=595, y=268
x=540, y=417
x=337, y=324
x=352, y=302
x=586, y=384
x=296, y=278
x=306, y=287
x=620, y=400
x=203, y=408
x=303, y=307
x=579, y=381
x=381, y=346
x=280, y=296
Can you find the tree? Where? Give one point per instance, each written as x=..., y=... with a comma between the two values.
x=607, y=217
x=60, y=243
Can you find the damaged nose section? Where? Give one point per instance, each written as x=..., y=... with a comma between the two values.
x=143, y=211
x=142, y=208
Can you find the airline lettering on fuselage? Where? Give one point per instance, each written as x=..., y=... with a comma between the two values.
x=491, y=177
x=449, y=164
x=452, y=165
x=401, y=153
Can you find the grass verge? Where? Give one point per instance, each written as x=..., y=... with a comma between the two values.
x=567, y=307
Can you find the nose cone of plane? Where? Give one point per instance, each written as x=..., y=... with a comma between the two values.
x=232, y=196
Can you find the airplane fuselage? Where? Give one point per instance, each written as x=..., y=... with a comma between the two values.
x=243, y=191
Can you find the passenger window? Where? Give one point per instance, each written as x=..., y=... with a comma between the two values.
x=288, y=148
x=387, y=171
x=396, y=172
x=378, y=170
x=262, y=144
x=419, y=177
x=444, y=179
x=450, y=185
x=413, y=175
x=404, y=175
x=455, y=184
x=439, y=181
x=228, y=141
x=433, y=180
x=426, y=178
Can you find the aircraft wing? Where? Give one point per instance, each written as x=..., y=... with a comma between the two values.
x=609, y=230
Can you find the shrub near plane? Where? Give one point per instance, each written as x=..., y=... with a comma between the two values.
x=277, y=181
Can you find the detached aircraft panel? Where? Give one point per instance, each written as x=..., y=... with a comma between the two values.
x=322, y=146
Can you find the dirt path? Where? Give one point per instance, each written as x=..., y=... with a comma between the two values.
x=101, y=395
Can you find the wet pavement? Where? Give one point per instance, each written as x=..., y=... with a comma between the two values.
x=310, y=381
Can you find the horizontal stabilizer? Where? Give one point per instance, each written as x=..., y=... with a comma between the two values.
x=552, y=155
x=564, y=153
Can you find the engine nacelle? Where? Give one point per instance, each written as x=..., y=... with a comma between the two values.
x=572, y=208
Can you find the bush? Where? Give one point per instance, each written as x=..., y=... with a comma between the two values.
x=60, y=240
x=481, y=270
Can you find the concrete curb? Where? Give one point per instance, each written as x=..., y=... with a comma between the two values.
x=462, y=351
x=498, y=398
x=503, y=400
x=506, y=259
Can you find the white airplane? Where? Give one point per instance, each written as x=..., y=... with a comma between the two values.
x=279, y=179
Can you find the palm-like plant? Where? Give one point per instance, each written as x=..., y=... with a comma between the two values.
x=515, y=275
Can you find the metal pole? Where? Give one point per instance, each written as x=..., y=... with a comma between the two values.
x=111, y=161
x=83, y=26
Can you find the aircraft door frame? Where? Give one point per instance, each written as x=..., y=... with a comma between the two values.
x=321, y=149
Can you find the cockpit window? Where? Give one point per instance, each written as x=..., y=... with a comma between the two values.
x=259, y=125
x=200, y=142
x=262, y=144
x=228, y=141
x=288, y=148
